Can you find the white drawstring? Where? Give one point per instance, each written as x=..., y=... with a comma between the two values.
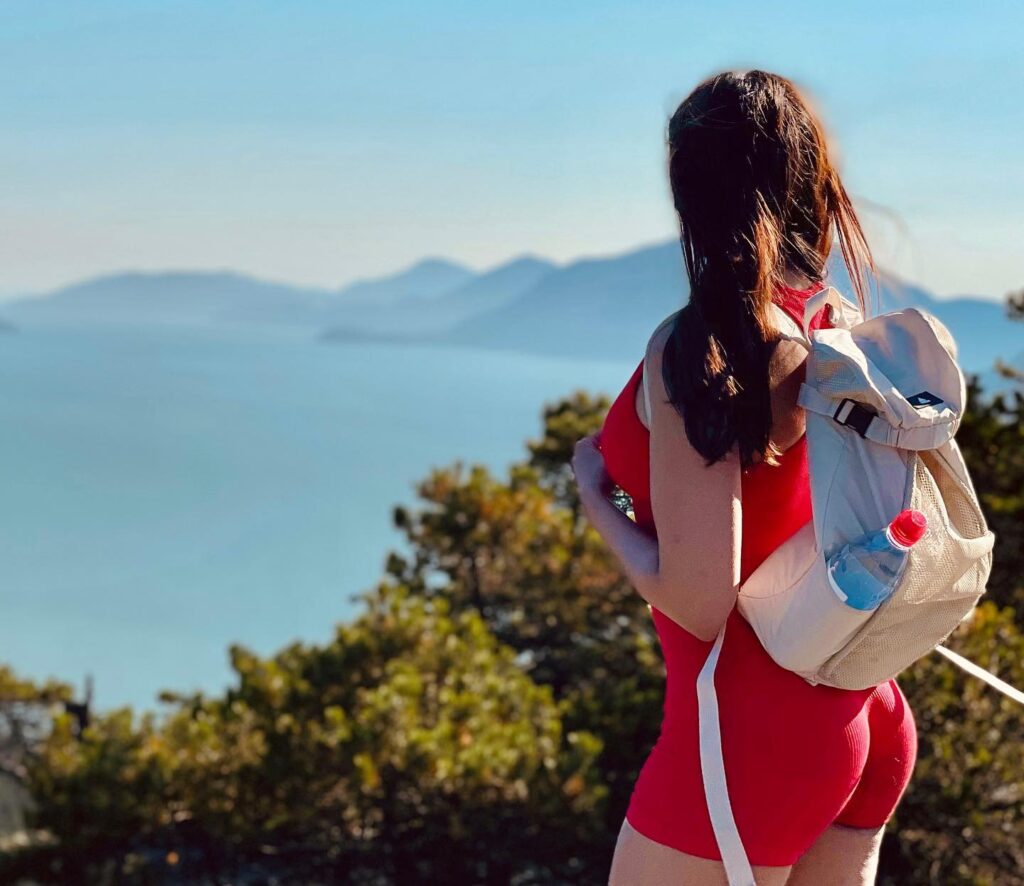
x=976, y=671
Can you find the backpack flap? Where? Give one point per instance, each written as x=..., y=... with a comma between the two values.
x=893, y=379
x=857, y=485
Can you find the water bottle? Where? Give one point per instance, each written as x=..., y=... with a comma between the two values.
x=863, y=573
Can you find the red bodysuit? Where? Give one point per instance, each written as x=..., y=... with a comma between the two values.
x=798, y=757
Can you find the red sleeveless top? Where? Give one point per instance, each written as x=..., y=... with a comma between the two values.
x=782, y=491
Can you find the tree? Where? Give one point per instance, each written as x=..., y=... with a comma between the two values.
x=25, y=711
x=962, y=819
x=412, y=747
x=519, y=554
x=992, y=439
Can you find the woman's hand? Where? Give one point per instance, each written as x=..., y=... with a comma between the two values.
x=588, y=467
x=635, y=547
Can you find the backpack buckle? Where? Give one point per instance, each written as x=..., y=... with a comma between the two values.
x=858, y=417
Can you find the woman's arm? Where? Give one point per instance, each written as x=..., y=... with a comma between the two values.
x=691, y=570
x=635, y=549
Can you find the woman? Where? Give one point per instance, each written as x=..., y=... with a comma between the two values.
x=718, y=476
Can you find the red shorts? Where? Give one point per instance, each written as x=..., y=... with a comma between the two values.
x=798, y=758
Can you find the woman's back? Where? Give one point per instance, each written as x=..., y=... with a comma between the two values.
x=782, y=491
x=808, y=733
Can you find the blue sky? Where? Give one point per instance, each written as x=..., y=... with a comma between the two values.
x=318, y=142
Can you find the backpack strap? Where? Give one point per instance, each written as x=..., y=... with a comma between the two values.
x=842, y=316
x=712, y=767
x=829, y=295
x=647, y=392
x=643, y=372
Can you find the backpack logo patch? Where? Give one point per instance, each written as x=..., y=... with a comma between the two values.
x=925, y=398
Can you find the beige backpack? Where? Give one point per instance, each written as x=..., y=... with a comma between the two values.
x=884, y=398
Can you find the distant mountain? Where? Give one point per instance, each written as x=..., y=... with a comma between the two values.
x=166, y=297
x=981, y=326
x=430, y=295
x=426, y=279
x=608, y=307
x=418, y=316
x=492, y=289
x=598, y=307
x=593, y=308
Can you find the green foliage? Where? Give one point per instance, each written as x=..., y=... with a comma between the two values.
x=25, y=709
x=962, y=820
x=99, y=791
x=410, y=745
x=992, y=439
x=564, y=422
x=519, y=554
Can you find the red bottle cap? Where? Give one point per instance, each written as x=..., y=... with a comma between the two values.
x=908, y=527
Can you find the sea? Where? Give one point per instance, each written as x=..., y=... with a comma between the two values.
x=167, y=491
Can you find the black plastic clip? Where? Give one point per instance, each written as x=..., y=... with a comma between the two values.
x=859, y=417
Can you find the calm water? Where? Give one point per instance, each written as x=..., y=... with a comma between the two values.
x=166, y=492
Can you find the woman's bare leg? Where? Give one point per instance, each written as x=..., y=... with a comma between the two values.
x=639, y=861
x=841, y=856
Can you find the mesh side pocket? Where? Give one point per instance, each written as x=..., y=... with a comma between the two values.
x=964, y=513
x=837, y=378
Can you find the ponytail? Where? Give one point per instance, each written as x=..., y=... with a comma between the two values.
x=755, y=194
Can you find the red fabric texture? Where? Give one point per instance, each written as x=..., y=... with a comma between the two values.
x=798, y=757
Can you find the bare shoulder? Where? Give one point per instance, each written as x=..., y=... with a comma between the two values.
x=787, y=356
x=652, y=367
x=785, y=375
x=656, y=343
x=656, y=348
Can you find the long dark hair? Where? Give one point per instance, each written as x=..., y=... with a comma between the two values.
x=756, y=194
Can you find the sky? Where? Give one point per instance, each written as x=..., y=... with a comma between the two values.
x=319, y=143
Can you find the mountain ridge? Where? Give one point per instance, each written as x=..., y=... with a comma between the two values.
x=593, y=307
